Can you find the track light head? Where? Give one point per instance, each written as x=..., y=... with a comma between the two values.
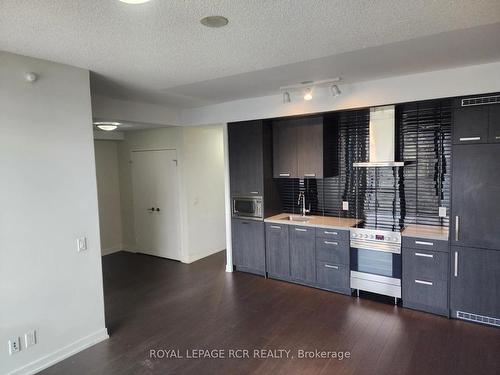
x=335, y=90
x=286, y=97
x=308, y=94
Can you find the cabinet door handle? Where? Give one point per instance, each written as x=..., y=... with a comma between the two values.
x=234, y=207
x=331, y=243
x=497, y=137
x=466, y=139
x=300, y=230
x=309, y=174
x=254, y=192
x=284, y=174
x=456, y=264
x=334, y=233
x=275, y=227
x=457, y=228
x=424, y=243
x=330, y=266
x=424, y=282
x=424, y=255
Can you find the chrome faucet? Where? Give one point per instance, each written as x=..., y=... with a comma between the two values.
x=302, y=198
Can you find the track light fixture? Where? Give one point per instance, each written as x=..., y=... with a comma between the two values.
x=306, y=88
x=286, y=97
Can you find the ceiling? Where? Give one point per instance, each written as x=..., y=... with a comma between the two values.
x=158, y=52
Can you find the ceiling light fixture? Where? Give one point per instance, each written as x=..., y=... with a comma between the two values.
x=134, y=2
x=214, y=21
x=308, y=94
x=107, y=125
x=307, y=88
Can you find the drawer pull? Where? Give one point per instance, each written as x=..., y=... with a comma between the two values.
x=424, y=282
x=300, y=230
x=275, y=227
x=424, y=243
x=424, y=255
x=497, y=137
x=334, y=233
x=465, y=139
x=330, y=266
x=309, y=174
x=254, y=192
x=331, y=243
x=284, y=174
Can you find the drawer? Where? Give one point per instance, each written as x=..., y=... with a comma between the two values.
x=425, y=244
x=428, y=265
x=332, y=234
x=330, y=250
x=333, y=276
x=426, y=295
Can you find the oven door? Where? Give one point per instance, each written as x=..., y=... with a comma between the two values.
x=376, y=262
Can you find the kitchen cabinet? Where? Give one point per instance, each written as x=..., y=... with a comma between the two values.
x=277, y=251
x=425, y=280
x=475, y=196
x=470, y=125
x=475, y=283
x=302, y=254
x=494, y=124
x=333, y=276
x=477, y=124
x=248, y=240
x=305, y=147
x=246, y=157
x=284, y=149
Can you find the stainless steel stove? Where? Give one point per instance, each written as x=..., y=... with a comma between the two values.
x=376, y=261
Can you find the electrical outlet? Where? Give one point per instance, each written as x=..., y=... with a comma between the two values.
x=81, y=244
x=442, y=211
x=345, y=205
x=14, y=345
x=29, y=339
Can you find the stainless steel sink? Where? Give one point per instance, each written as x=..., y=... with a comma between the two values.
x=302, y=219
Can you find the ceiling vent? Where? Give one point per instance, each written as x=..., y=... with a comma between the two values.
x=478, y=318
x=481, y=100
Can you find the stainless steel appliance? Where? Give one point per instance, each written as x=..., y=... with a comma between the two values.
x=248, y=207
x=376, y=261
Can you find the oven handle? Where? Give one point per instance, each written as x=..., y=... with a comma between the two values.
x=376, y=247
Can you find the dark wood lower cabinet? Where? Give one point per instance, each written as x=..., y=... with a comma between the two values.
x=277, y=251
x=302, y=254
x=475, y=282
x=425, y=280
x=248, y=239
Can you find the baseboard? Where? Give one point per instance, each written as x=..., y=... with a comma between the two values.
x=201, y=256
x=63, y=353
x=111, y=250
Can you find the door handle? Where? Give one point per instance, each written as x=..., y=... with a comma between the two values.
x=457, y=228
x=331, y=243
x=456, y=264
x=423, y=282
x=424, y=255
x=330, y=266
x=424, y=243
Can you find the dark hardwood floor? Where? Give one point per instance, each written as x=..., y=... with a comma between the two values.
x=153, y=303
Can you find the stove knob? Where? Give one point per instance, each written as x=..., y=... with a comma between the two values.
x=389, y=238
x=367, y=236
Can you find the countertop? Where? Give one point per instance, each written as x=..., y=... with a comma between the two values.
x=426, y=231
x=315, y=221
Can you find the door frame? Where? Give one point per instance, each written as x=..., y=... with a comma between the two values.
x=180, y=197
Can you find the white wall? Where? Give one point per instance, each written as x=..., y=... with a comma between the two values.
x=48, y=198
x=201, y=185
x=468, y=80
x=115, y=109
x=108, y=189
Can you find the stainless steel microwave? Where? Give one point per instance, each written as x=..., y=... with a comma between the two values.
x=247, y=206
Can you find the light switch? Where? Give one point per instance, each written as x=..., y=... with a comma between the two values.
x=345, y=205
x=81, y=244
x=442, y=211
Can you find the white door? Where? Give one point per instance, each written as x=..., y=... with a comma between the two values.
x=156, y=203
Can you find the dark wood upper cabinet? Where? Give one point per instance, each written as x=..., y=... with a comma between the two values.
x=284, y=149
x=494, y=122
x=470, y=125
x=305, y=147
x=246, y=157
x=475, y=196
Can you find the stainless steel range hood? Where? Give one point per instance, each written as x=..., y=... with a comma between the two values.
x=382, y=139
